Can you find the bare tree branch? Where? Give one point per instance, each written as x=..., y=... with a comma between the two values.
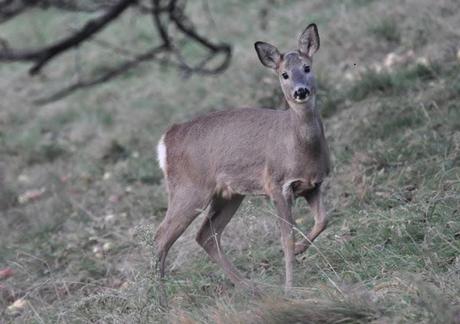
x=41, y=56
x=10, y=9
x=108, y=75
x=156, y=11
x=177, y=16
x=164, y=13
x=79, y=6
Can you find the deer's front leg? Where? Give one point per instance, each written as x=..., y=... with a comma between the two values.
x=315, y=200
x=283, y=208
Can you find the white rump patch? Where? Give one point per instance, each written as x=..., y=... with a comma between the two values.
x=161, y=154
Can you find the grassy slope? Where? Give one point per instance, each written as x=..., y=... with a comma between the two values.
x=82, y=250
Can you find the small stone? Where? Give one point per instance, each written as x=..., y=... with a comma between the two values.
x=107, y=246
x=422, y=61
x=390, y=60
x=107, y=176
x=110, y=218
x=23, y=178
x=349, y=76
x=16, y=307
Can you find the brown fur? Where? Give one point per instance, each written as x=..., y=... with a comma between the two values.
x=217, y=159
x=247, y=142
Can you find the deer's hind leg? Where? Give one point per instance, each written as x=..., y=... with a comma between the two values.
x=209, y=236
x=185, y=204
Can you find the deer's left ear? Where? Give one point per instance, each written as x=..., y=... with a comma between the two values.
x=309, y=40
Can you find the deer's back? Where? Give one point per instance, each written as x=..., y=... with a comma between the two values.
x=236, y=150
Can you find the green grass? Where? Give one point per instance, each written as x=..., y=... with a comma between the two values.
x=390, y=83
x=387, y=30
x=390, y=255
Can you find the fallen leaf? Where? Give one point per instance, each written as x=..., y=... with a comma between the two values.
x=30, y=195
x=6, y=273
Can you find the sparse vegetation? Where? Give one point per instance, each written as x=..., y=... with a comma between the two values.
x=391, y=83
x=81, y=193
x=387, y=30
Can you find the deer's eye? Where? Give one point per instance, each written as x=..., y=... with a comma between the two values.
x=306, y=69
x=285, y=76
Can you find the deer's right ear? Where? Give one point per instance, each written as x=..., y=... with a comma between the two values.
x=268, y=54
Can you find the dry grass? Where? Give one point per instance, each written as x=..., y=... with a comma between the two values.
x=80, y=193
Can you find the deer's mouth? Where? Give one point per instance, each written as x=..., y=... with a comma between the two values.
x=302, y=100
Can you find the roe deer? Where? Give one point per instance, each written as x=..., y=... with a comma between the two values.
x=217, y=159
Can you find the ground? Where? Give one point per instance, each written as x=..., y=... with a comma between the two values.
x=81, y=193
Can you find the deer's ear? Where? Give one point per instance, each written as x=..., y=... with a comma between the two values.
x=309, y=40
x=268, y=54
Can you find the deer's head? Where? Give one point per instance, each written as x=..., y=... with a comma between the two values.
x=294, y=68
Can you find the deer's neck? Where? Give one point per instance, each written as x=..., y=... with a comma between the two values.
x=306, y=120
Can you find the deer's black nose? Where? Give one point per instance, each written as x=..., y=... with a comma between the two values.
x=301, y=93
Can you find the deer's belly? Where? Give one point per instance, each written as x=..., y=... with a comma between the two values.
x=242, y=184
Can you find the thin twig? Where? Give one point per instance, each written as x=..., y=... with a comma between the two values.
x=112, y=73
